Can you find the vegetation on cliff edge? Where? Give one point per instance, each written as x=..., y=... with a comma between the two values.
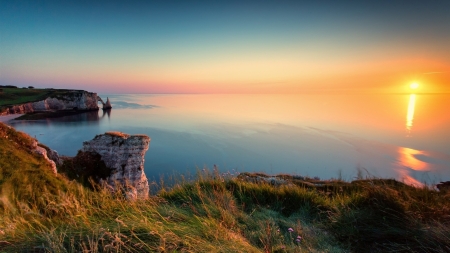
x=41, y=212
x=16, y=96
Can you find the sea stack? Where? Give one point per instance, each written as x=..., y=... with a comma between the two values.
x=107, y=105
x=124, y=155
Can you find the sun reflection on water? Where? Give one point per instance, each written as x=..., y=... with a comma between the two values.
x=408, y=158
x=409, y=162
x=410, y=113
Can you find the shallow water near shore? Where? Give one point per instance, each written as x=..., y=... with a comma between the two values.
x=328, y=136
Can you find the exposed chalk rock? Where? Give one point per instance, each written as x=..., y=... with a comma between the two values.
x=28, y=144
x=80, y=100
x=42, y=151
x=124, y=154
x=107, y=105
x=54, y=156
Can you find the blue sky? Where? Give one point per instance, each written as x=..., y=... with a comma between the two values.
x=222, y=47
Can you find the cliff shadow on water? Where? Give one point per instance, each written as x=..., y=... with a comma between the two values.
x=66, y=116
x=74, y=118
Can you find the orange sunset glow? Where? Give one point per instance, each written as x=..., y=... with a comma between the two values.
x=224, y=126
x=375, y=71
x=270, y=49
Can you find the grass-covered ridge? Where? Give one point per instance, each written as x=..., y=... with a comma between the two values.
x=17, y=96
x=24, y=175
x=214, y=213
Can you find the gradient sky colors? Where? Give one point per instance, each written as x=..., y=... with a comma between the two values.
x=232, y=47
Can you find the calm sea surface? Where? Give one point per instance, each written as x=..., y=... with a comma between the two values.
x=397, y=136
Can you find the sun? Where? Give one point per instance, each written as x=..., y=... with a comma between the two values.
x=414, y=86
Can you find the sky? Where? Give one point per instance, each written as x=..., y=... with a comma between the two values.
x=226, y=47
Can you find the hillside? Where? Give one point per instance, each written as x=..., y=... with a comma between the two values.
x=24, y=174
x=15, y=96
x=41, y=212
x=45, y=103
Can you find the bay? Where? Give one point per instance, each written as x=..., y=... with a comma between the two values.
x=401, y=136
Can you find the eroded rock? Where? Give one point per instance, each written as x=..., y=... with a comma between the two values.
x=43, y=152
x=124, y=155
x=79, y=100
x=54, y=156
x=107, y=105
x=443, y=186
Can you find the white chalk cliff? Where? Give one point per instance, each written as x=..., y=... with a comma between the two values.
x=49, y=155
x=124, y=154
x=107, y=105
x=81, y=100
x=42, y=151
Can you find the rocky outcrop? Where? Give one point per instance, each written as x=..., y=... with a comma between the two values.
x=124, y=155
x=257, y=179
x=443, y=186
x=78, y=100
x=24, y=142
x=52, y=155
x=43, y=151
x=107, y=105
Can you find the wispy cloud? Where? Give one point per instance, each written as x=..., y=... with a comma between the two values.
x=433, y=73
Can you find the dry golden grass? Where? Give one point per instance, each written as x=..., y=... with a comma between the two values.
x=118, y=134
x=214, y=213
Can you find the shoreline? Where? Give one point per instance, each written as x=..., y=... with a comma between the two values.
x=327, y=216
x=9, y=117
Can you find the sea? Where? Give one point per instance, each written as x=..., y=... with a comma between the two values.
x=345, y=136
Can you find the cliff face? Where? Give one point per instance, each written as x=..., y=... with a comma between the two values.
x=124, y=154
x=42, y=151
x=107, y=105
x=17, y=146
x=81, y=100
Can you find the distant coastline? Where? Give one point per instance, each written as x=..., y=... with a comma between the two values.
x=37, y=104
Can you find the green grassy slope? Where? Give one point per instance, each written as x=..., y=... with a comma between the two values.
x=24, y=175
x=15, y=96
x=214, y=213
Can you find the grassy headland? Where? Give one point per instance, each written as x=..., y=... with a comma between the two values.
x=16, y=96
x=41, y=212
